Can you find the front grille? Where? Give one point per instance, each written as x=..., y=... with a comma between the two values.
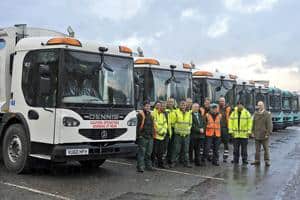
x=102, y=134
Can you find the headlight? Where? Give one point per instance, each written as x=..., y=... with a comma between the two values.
x=132, y=122
x=70, y=122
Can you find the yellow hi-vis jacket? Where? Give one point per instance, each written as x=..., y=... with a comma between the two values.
x=244, y=130
x=160, y=125
x=182, y=123
x=171, y=119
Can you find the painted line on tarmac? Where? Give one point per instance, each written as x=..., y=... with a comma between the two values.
x=36, y=191
x=170, y=171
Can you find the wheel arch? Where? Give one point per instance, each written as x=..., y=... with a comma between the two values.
x=10, y=119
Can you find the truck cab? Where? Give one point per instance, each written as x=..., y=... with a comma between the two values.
x=213, y=86
x=159, y=80
x=288, y=118
x=296, y=108
x=63, y=99
x=275, y=107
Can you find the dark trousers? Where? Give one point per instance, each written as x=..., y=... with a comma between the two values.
x=240, y=144
x=170, y=146
x=225, y=141
x=212, y=143
x=144, y=151
x=196, y=149
x=158, y=151
x=181, y=144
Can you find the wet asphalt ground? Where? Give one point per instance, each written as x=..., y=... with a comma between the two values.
x=117, y=179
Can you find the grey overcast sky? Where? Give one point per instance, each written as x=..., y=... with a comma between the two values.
x=255, y=39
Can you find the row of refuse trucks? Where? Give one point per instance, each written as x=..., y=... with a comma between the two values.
x=63, y=99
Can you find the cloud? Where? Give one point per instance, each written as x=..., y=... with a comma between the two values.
x=138, y=41
x=255, y=6
x=219, y=28
x=116, y=10
x=255, y=67
x=191, y=14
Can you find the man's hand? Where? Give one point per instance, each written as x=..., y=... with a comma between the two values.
x=252, y=135
x=201, y=130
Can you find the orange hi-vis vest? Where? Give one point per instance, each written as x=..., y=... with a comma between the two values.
x=213, y=127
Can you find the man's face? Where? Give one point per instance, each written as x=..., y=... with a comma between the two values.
x=260, y=106
x=147, y=107
x=206, y=103
x=158, y=106
x=189, y=102
x=183, y=106
x=214, y=110
x=240, y=107
x=222, y=102
x=170, y=103
x=195, y=107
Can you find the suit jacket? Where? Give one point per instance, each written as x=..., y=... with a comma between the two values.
x=197, y=124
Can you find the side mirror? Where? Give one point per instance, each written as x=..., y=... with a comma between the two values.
x=45, y=80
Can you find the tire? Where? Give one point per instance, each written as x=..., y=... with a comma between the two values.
x=91, y=164
x=15, y=149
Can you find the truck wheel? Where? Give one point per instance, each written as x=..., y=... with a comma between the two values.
x=91, y=163
x=15, y=149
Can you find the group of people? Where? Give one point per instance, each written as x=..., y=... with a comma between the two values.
x=191, y=133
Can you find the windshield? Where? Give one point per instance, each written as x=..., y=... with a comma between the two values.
x=215, y=90
x=154, y=85
x=245, y=94
x=275, y=102
x=262, y=96
x=84, y=82
x=286, y=103
x=295, y=104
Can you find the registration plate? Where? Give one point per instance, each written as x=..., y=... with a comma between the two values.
x=76, y=152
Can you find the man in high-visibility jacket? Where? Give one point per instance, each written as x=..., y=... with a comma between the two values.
x=170, y=110
x=182, y=131
x=145, y=131
x=213, y=133
x=240, y=127
x=225, y=111
x=160, y=132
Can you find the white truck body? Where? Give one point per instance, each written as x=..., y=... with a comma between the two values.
x=102, y=131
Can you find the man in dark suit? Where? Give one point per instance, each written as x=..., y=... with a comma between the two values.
x=197, y=136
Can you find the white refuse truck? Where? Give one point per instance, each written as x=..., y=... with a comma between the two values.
x=63, y=99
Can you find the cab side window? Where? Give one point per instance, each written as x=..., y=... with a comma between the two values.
x=39, y=77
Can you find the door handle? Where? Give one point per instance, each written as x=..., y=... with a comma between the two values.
x=33, y=115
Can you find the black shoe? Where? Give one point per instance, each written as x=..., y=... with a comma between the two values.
x=163, y=166
x=245, y=162
x=141, y=170
x=234, y=162
x=172, y=165
x=255, y=163
x=188, y=165
x=225, y=161
x=215, y=163
x=198, y=164
x=268, y=164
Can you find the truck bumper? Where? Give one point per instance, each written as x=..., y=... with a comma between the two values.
x=95, y=152
x=289, y=123
x=278, y=125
